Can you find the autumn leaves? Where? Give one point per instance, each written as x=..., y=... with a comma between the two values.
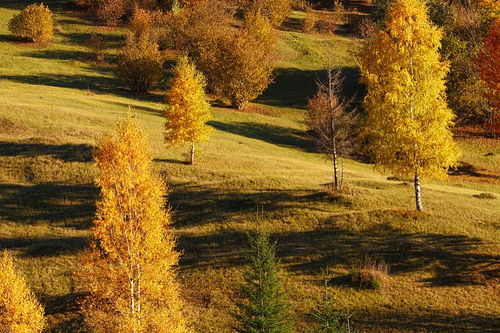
x=188, y=110
x=129, y=268
x=407, y=119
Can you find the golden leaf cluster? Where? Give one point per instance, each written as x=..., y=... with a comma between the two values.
x=20, y=312
x=408, y=121
x=129, y=269
x=35, y=22
x=188, y=110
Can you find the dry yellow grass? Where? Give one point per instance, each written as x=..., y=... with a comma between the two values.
x=54, y=103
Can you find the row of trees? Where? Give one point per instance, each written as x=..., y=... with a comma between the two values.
x=128, y=272
x=407, y=126
x=236, y=57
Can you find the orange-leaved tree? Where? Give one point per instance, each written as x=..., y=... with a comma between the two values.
x=20, y=312
x=129, y=268
x=188, y=109
x=408, y=120
x=489, y=69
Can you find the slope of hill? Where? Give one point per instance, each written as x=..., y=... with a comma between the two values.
x=54, y=104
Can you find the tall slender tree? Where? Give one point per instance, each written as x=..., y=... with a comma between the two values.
x=265, y=308
x=129, y=269
x=188, y=110
x=489, y=69
x=20, y=311
x=331, y=123
x=408, y=121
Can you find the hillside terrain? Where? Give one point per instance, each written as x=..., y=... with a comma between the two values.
x=55, y=104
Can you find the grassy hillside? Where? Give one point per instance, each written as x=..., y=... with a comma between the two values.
x=54, y=104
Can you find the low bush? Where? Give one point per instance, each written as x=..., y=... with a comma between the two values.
x=110, y=11
x=310, y=20
x=326, y=25
x=300, y=5
x=370, y=274
x=364, y=27
x=84, y=3
x=338, y=7
x=140, y=65
x=97, y=46
x=152, y=24
x=275, y=10
x=35, y=23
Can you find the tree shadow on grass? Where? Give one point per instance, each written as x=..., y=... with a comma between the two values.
x=172, y=161
x=429, y=321
x=280, y=136
x=44, y=247
x=67, y=310
x=85, y=82
x=93, y=84
x=54, y=5
x=148, y=109
x=71, y=206
x=9, y=39
x=197, y=205
x=112, y=41
x=59, y=55
x=64, y=152
x=467, y=169
x=454, y=259
x=292, y=87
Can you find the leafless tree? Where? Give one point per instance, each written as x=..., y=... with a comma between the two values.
x=331, y=120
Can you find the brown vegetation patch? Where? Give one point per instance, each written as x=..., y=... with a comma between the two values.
x=372, y=273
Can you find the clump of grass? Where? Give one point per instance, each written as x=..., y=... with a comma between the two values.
x=372, y=273
x=484, y=196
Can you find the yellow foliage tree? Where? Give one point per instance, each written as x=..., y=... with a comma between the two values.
x=20, y=311
x=408, y=121
x=275, y=10
x=129, y=268
x=257, y=25
x=245, y=65
x=35, y=22
x=188, y=109
x=492, y=7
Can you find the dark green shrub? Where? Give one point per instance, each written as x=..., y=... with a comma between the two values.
x=265, y=308
x=330, y=320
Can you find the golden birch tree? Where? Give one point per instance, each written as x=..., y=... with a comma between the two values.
x=408, y=121
x=188, y=109
x=20, y=312
x=129, y=268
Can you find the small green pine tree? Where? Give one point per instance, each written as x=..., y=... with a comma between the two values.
x=330, y=320
x=265, y=308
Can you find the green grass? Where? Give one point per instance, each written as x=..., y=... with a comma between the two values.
x=54, y=104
